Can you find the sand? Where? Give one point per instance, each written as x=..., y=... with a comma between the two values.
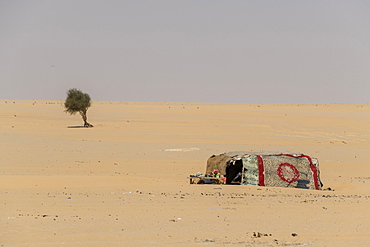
x=124, y=182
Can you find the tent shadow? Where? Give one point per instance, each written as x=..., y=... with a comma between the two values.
x=75, y=127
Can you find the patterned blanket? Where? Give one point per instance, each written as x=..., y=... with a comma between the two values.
x=281, y=170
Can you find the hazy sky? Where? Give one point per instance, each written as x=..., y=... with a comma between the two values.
x=187, y=51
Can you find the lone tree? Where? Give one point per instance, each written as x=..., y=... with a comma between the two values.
x=77, y=101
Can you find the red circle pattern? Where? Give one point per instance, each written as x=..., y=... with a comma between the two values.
x=288, y=173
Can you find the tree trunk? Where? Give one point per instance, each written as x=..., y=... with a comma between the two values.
x=84, y=117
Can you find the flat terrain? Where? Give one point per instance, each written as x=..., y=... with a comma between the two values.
x=124, y=182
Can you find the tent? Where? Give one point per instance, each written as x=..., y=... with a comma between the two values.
x=281, y=169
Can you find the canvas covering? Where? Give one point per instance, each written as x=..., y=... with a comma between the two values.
x=273, y=170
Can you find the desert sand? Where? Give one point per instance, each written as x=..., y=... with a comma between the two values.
x=124, y=182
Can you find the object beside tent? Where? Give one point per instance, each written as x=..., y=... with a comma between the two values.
x=268, y=169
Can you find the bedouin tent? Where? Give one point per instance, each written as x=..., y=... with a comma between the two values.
x=268, y=169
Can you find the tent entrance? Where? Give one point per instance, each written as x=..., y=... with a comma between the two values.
x=234, y=172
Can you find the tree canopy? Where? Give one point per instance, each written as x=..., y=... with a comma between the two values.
x=77, y=101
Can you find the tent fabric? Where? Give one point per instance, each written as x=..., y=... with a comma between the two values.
x=281, y=170
x=273, y=170
x=217, y=162
x=250, y=173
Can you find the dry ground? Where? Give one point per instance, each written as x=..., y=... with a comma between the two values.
x=123, y=182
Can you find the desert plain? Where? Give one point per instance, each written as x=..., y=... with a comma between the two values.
x=124, y=182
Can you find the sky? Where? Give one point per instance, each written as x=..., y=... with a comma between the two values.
x=213, y=51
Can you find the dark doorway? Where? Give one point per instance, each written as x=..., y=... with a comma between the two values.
x=232, y=170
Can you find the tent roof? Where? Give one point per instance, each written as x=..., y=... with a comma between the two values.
x=241, y=154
